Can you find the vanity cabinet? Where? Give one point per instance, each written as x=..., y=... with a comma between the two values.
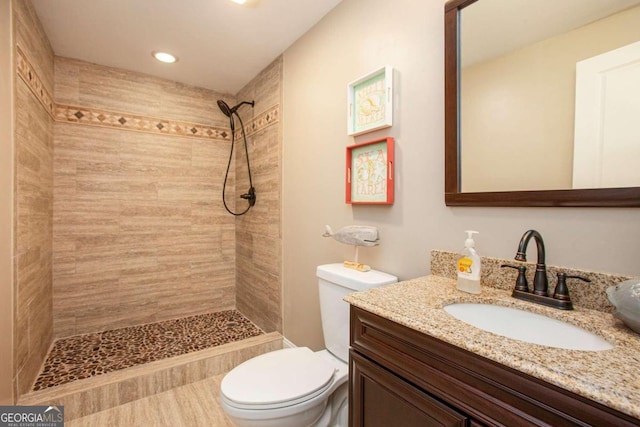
x=402, y=377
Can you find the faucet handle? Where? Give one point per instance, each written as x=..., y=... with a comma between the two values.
x=562, y=292
x=521, y=281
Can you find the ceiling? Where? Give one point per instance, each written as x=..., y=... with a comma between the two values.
x=220, y=45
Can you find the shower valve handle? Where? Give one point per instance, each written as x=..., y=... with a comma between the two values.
x=250, y=196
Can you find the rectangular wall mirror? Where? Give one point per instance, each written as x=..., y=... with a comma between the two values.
x=542, y=101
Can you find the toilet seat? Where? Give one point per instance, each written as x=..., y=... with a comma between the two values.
x=278, y=379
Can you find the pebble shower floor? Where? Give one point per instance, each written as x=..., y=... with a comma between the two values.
x=84, y=356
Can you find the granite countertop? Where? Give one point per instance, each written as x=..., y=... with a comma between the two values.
x=610, y=377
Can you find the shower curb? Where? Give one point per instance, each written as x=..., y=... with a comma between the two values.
x=91, y=395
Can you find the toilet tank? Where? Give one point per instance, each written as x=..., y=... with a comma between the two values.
x=335, y=281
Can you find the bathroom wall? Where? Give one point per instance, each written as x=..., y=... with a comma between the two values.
x=355, y=38
x=139, y=233
x=33, y=198
x=6, y=205
x=258, y=233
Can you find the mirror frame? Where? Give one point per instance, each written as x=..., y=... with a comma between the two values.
x=600, y=197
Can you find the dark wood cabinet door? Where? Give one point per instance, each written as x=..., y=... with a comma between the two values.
x=379, y=398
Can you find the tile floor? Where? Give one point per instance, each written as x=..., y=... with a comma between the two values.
x=192, y=405
x=89, y=355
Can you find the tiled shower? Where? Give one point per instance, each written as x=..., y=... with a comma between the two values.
x=119, y=220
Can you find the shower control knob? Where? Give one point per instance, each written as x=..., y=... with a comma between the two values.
x=250, y=196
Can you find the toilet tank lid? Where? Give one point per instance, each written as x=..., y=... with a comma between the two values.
x=353, y=279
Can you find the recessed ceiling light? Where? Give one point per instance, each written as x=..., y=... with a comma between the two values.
x=247, y=3
x=164, y=57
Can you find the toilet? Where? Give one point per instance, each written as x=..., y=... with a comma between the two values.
x=297, y=387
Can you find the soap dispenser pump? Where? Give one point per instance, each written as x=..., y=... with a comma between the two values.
x=469, y=266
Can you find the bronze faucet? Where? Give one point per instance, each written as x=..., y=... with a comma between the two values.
x=540, y=294
x=540, y=282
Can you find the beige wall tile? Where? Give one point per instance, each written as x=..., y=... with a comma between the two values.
x=6, y=207
x=30, y=36
x=130, y=92
x=139, y=231
x=258, y=235
x=154, y=203
x=33, y=200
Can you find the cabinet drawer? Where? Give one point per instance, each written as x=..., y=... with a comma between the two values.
x=488, y=392
x=381, y=399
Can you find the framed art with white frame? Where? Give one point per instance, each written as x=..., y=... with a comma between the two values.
x=370, y=102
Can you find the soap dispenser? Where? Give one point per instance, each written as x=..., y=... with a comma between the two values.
x=469, y=267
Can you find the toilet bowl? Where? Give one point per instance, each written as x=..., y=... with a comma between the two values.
x=297, y=387
x=288, y=388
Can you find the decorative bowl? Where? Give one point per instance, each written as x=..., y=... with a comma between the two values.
x=625, y=296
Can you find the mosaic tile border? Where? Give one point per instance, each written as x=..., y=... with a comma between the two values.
x=262, y=121
x=28, y=74
x=133, y=122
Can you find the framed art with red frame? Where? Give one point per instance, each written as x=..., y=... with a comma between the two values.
x=369, y=174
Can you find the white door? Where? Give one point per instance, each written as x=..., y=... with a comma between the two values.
x=607, y=122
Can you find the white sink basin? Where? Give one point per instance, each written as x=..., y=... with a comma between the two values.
x=528, y=327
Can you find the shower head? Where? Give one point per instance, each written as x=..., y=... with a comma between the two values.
x=224, y=107
x=228, y=111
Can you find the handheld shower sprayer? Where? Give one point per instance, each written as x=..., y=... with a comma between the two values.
x=228, y=111
x=249, y=196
